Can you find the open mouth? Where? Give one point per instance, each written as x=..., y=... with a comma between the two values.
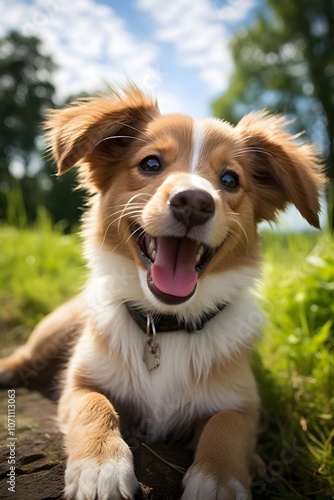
x=173, y=264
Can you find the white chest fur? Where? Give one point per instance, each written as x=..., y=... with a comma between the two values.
x=183, y=387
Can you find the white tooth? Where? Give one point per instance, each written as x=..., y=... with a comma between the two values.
x=154, y=255
x=199, y=253
x=152, y=245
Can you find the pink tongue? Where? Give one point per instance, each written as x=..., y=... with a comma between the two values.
x=173, y=271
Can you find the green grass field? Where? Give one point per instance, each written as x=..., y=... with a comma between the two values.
x=294, y=363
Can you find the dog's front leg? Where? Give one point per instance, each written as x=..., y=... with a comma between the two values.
x=100, y=463
x=223, y=459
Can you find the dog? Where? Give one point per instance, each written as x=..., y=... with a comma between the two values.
x=164, y=326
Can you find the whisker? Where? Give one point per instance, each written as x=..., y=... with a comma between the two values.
x=135, y=196
x=133, y=233
x=133, y=128
x=121, y=137
x=129, y=209
x=135, y=206
x=245, y=245
x=124, y=242
x=146, y=195
x=125, y=208
x=133, y=212
x=251, y=149
x=120, y=217
x=239, y=238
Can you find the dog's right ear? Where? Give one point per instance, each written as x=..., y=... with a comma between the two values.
x=72, y=133
x=283, y=170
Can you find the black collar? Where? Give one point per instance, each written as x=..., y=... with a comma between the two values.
x=170, y=322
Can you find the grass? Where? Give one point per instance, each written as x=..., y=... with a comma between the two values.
x=39, y=269
x=294, y=363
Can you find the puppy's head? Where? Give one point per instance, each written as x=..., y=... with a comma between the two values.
x=182, y=197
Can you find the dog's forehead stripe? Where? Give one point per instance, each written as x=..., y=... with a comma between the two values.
x=198, y=138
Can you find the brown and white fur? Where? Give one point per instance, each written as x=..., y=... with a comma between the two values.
x=206, y=183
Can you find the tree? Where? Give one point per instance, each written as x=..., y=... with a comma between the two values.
x=26, y=175
x=25, y=92
x=285, y=62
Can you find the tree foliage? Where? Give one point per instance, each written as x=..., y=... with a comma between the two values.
x=26, y=92
x=285, y=62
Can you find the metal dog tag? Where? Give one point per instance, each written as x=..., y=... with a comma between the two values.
x=152, y=356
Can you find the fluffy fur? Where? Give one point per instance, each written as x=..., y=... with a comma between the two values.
x=205, y=187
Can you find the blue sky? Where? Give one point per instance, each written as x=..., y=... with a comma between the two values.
x=175, y=49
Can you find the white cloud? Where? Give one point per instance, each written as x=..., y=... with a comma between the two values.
x=199, y=33
x=87, y=40
x=92, y=45
x=232, y=10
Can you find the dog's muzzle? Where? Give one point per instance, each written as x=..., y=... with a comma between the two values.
x=174, y=264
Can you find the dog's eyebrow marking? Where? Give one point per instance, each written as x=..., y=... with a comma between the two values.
x=198, y=137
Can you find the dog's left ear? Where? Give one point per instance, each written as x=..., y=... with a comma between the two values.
x=283, y=169
x=77, y=135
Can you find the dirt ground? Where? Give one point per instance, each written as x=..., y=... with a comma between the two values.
x=40, y=460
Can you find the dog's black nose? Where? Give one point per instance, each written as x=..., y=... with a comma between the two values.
x=192, y=206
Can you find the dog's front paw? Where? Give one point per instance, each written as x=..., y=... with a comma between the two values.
x=199, y=485
x=95, y=478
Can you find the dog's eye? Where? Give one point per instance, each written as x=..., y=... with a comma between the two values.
x=151, y=165
x=229, y=179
